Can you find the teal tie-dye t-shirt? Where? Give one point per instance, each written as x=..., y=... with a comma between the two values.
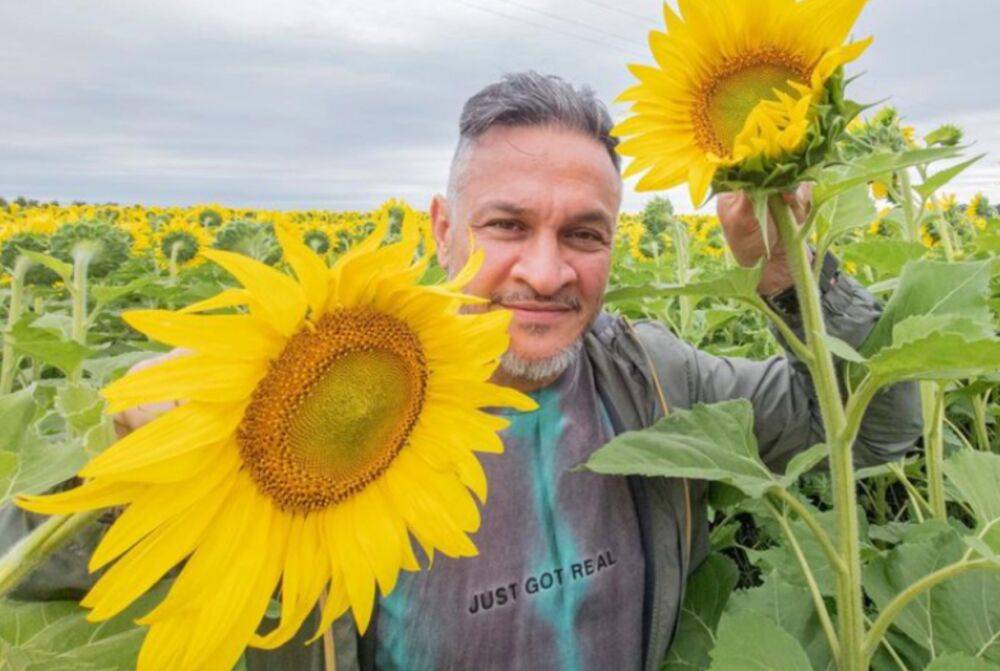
x=558, y=582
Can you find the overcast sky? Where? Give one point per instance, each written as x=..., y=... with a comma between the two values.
x=343, y=103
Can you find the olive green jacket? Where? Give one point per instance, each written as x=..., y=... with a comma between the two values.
x=672, y=513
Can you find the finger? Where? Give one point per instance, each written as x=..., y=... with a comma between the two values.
x=796, y=204
x=734, y=208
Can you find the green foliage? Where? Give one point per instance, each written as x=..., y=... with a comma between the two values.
x=255, y=239
x=708, y=442
x=55, y=636
x=29, y=463
x=16, y=245
x=748, y=641
x=886, y=257
x=707, y=592
x=960, y=615
x=109, y=246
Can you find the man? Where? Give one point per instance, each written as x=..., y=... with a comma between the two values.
x=576, y=570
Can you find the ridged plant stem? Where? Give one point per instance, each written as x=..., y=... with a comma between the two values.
x=7, y=363
x=78, y=294
x=932, y=397
x=34, y=548
x=839, y=436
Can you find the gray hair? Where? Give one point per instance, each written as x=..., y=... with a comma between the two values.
x=530, y=99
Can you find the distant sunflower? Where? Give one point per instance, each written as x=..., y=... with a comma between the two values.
x=736, y=81
x=179, y=242
x=320, y=430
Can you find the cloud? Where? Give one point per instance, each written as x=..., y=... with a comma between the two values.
x=342, y=103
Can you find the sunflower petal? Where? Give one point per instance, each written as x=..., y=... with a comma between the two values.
x=309, y=268
x=279, y=297
x=224, y=336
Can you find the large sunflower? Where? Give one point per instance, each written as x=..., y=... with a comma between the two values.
x=736, y=80
x=321, y=428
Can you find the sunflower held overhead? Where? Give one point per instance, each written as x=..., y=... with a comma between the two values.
x=741, y=92
x=325, y=424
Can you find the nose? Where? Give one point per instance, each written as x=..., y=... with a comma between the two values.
x=542, y=266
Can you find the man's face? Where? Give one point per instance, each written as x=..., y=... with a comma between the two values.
x=542, y=203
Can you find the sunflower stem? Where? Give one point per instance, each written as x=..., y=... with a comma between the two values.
x=840, y=437
x=174, y=251
x=78, y=294
x=683, y=268
x=912, y=228
x=8, y=365
x=932, y=396
x=29, y=553
x=329, y=651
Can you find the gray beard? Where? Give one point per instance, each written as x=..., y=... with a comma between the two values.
x=537, y=370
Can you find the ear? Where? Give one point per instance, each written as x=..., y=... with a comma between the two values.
x=441, y=227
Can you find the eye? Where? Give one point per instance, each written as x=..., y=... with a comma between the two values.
x=587, y=235
x=505, y=224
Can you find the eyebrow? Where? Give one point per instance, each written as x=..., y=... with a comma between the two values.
x=594, y=216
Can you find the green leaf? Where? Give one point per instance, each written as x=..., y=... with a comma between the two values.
x=47, y=347
x=841, y=348
x=937, y=347
x=104, y=294
x=933, y=288
x=16, y=413
x=790, y=607
x=55, y=636
x=81, y=405
x=104, y=369
x=835, y=181
x=887, y=257
x=848, y=210
x=748, y=641
x=38, y=465
x=959, y=662
x=942, y=177
x=706, y=595
x=976, y=475
x=781, y=558
x=987, y=243
x=960, y=615
x=708, y=442
x=64, y=270
x=805, y=461
x=28, y=463
x=738, y=282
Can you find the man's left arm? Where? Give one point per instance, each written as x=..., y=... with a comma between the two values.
x=893, y=420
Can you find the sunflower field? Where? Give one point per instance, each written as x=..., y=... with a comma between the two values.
x=70, y=272
x=303, y=346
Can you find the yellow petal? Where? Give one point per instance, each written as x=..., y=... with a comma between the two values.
x=160, y=504
x=309, y=268
x=359, y=579
x=145, y=564
x=227, y=298
x=375, y=525
x=188, y=378
x=279, y=297
x=224, y=336
x=181, y=431
x=91, y=495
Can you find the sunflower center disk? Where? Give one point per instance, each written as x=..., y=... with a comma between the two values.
x=334, y=409
x=733, y=92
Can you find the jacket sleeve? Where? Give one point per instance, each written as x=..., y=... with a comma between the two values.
x=786, y=411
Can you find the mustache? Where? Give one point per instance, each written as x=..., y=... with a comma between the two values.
x=561, y=300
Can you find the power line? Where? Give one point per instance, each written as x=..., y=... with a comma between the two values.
x=520, y=19
x=619, y=10
x=571, y=21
